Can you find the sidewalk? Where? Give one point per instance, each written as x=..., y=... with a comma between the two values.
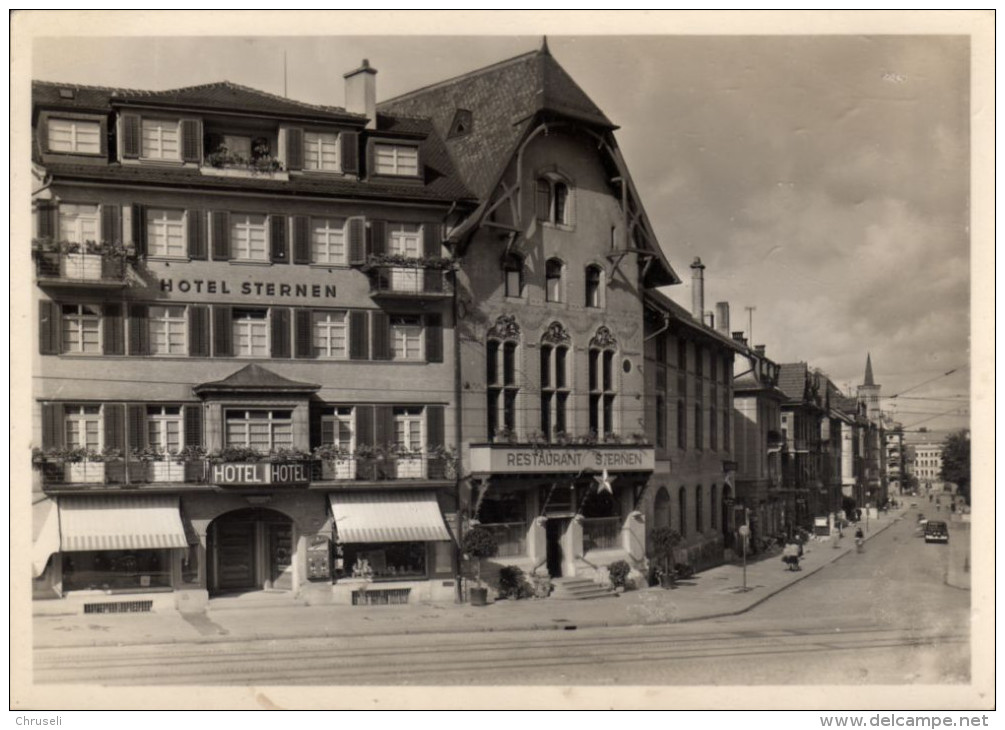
x=712, y=593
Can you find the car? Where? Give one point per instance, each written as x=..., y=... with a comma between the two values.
x=936, y=531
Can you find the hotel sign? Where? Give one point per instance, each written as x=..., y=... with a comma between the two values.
x=555, y=459
x=248, y=288
x=261, y=474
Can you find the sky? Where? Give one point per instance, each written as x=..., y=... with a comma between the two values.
x=824, y=180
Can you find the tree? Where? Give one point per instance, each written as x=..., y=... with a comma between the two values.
x=956, y=462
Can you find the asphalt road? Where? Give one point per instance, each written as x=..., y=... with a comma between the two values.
x=881, y=617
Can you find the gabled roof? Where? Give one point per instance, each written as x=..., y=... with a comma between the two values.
x=255, y=378
x=77, y=96
x=680, y=314
x=792, y=379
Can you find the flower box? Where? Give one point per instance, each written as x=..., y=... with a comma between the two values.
x=338, y=469
x=406, y=279
x=245, y=172
x=409, y=467
x=85, y=266
x=166, y=471
x=85, y=472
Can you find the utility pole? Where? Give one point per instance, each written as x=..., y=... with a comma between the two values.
x=750, y=324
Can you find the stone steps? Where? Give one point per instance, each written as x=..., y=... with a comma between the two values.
x=579, y=589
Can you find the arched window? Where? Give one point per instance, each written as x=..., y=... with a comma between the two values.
x=713, y=513
x=555, y=389
x=554, y=200
x=603, y=382
x=594, y=286
x=553, y=280
x=698, y=431
x=682, y=508
x=699, y=516
x=513, y=273
x=502, y=384
x=681, y=425
x=661, y=508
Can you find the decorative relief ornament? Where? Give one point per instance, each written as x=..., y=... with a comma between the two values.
x=604, y=339
x=505, y=328
x=556, y=334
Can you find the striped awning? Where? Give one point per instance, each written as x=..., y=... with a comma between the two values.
x=121, y=523
x=388, y=517
x=45, y=533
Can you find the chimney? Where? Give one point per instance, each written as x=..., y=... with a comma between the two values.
x=709, y=320
x=759, y=349
x=698, y=289
x=722, y=317
x=361, y=93
x=738, y=336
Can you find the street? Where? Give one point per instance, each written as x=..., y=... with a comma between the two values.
x=885, y=616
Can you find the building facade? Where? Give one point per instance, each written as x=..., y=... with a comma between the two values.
x=804, y=453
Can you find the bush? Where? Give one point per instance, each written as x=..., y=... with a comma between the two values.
x=479, y=543
x=513, y=584
x=619, y=571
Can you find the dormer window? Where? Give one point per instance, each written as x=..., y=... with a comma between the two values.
x=159, y=139
x=396, y=159
x=321, y=151
x=74, y=136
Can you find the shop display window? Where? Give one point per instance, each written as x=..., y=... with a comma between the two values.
x=387, y=561
x=116, y=570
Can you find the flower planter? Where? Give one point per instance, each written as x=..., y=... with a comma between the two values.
x=338, y=469
x=86, y=472
x=82, y=266
x=479, y=596
x=406, y=280
x=245, y=172
x=166, y=471
x=408, y=467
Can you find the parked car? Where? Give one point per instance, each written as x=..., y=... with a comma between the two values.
x=936, y=531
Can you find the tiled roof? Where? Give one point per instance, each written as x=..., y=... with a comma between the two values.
x=683, y=316
x=255, y=377
x=77, y=96
x=792, y=379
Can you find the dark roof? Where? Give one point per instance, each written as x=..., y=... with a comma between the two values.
x=97, y=98
x=868, y=371
x=256, y=378
x=792, y=379
x=683, y=316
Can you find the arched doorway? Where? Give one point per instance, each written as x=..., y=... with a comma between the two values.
x=250, y=550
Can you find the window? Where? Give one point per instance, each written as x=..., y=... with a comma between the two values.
x=71, y=135
x=166, y=233
x=331, y=335
x=81, y=328
x=387, y=560
x=251, y=332
x=238, y=146
x=406, y=338
x=602, y=391
x=247, y=237
x=513, y=273
x=661, y=508
x=164, y=428
x=553, y=280
x=393, y=159
x=554, y=389
x=594, y=286
x=106, y=570
x=168, y=330
x=262, y=430
x=328, y=241
x=78, y=223
x=405, y=239
x=714, y=508
x=661, y=426
x=83, y=427
x=321, y=151
x=681, y=425
x=699, y=516
x=553, y=201
x=699, y=432
x=408, y=429
x=337, y=428
x=682, y=508
x=159, y=139
x=501, y=379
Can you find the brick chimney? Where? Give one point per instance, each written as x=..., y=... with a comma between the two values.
x=738, y=336
x=698, y=290
x=722, y=318
x=361, y=93
x=759, y=349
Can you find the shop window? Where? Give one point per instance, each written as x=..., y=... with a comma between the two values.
x=321, y=151
x=248, y=237
x=251, y=332
x=504, y=514
x=81, y=329
x=553, y=280
x=83, y=427
x=407, y=338
x=73, y=135
x=116, y=570
x=387, y=561
x=262, y=430
x=168, y=330
x=78, y=223
x=328, y=241
x=160, y=139
x=331, y=335
x=165, y=428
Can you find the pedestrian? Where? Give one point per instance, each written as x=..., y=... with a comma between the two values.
x=859, y=539
x=790, y=555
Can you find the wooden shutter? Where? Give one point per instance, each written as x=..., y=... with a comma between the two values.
x=358, y=335
x=196, y=222
x=52, y=426
x=46, y=220
x=193, y=425
x=543, y=200
x=49, y=328
x=114, y=415
x=380, y=328
x=301, y=239
x=221, y=235
x=139, y=329
x=383, y=425
x=277, y=239
x=304, y=333
x=357, y=240
x=130, y=136
x=140, y=229
x=191, y=140
x=432, y=240
x=364, y=426
x=111, y=224
x=350, y=152
x=223, y=326
x=136, y=427
x=378, y=237
x=434, y=426
x=198, y=330
x=434, y=338
x=280, y=317
x=314, y=438
x=294, y=148
x=114, y=342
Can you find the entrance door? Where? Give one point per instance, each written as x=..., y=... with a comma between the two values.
x=554, y=529
x=235, y=546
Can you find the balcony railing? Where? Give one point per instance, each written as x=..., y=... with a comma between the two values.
x=391, y=280
x=67, y=263
x=511, y=538
x=601, y=533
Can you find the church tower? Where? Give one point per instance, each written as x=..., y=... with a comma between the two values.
x=868, y=392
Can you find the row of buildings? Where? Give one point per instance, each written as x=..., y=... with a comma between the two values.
x=301, y=348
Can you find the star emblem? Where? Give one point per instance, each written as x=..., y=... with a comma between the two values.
x=604, y=483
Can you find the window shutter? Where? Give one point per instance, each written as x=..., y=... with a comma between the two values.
x=49, y=328
x=114, y=337
x=196, y=223
x=46, y=220
x=277, y=239
x=193, y=425
x=304, y=326
x=315, y=425
x=432, y=240
x=140, y=230
x=136, y=427
x=223, y=340
x=221, y=235
x=130, y=136
x=350, y=152
x=301, y=240
x=111, y=224
x=432, y=280
x=383, y=425
x=198, y=331
x=364, y=426
x=52, y=426
x=543, y=198
x=191, y=140
x=115, y=426
x=280, y=317
x=378, y=237
x=434, y=338
x=358, y=336
x=380, y=325
x=434, y=426
x=357, y=241
x=294, y=148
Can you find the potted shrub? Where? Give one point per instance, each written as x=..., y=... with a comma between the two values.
x=665, y=541
x=193, y=460
x=513, y=584
x=374, y=463
x=618, y=572
x=479, y=544
x=442, y=463
x=336, y=462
